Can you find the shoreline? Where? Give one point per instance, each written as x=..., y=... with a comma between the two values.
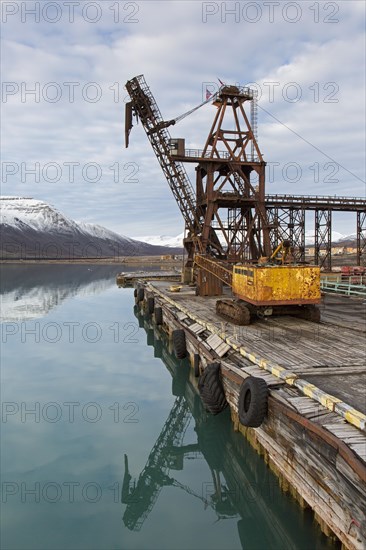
x=348, y=260
x=125, y=260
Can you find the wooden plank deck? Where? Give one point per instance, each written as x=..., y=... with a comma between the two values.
x=345, y=311
x=330, y=357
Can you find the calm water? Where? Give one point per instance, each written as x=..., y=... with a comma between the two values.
x=105, y=444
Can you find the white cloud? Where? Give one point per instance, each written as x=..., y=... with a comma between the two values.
x=177, y=52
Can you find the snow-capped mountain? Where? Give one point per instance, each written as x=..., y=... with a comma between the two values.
x=101, y=232
x=164, y=240
x=31, y=228
x=310, y=237
x=18, y=211
x=347, y=238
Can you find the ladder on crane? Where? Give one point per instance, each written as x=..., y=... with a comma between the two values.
x=147, y=110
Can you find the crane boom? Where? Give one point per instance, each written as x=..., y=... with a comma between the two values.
x=155, y=475
x=147, y=110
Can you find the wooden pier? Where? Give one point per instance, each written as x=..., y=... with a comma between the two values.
x=314, y=434
x=130, y=278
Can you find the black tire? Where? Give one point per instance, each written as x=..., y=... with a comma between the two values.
x=180, y=379
x=135, y=293
x=211, y=390
x=150, y=337
x=158, y=349
x=140, y=294
x=150, y=305
x=212, y=436
x=179, y=343
x=196, y=365
x=198, y=409
x=177, y=387
x=158, y=314
x=253, y=402
x=138, y=315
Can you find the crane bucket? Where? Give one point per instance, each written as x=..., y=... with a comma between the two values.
x=128, y=122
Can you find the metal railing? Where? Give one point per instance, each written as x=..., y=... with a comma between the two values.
x=215, y=268
x=316, y=199
x=342, y=287
x=198, y=153
x=249, y=93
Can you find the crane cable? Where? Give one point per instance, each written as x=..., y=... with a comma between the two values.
x=184, y=115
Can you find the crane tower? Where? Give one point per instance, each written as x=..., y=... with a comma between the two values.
x=225, y=214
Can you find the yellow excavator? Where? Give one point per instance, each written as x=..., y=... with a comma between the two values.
x=273, y=286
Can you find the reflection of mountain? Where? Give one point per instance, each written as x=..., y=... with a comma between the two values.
x=241, y=484
x=30, y=292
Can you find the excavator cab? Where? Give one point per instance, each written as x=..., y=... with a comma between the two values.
x=270, y=289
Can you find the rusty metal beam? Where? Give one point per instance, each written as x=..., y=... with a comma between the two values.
x=361, y=238
x=221, y=271
x=323, y=238
x=145, y=107
x=313, y=202
x=288, y=224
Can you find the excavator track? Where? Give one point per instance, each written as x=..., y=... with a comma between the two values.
x=234, y=312
x=311, y=313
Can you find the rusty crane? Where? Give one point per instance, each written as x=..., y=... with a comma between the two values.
x=230, y=226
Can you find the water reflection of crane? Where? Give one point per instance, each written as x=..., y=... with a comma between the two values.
x=168, y=454
x=241, y=485
x=140, y=498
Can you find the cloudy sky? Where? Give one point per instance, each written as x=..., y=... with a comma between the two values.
x=64, y=69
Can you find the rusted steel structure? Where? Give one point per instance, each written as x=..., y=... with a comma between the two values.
x=144, y=106
x=287, y=216
x=230, y=182
x=228, y=215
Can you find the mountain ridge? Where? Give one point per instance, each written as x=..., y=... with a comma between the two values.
x=32, y=229
x=337, y=238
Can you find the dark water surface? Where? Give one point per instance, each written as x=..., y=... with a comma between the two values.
x=105, y=444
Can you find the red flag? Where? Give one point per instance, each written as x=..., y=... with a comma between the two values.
x=208, y=94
